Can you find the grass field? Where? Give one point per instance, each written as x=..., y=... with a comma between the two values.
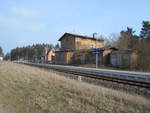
x=25, y=89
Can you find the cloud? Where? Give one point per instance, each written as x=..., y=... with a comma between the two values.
x=21, y=19
x=17, y=25
x=24, y=12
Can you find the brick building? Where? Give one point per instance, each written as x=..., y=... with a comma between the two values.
x=73, y=45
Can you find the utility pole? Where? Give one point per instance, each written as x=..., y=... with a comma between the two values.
x=96, y=62
x=46, y=52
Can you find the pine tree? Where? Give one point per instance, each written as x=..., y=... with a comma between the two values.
x=145, y=31
x=1, y=51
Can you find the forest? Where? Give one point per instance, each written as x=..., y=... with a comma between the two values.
x=31, y=52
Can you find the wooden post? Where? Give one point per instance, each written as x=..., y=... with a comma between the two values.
x=79, y=78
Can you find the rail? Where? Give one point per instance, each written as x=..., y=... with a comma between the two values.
x=136, y=77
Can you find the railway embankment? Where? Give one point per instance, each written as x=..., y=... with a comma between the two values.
x=36, y=90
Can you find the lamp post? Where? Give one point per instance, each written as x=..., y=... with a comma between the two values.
x=96, y=62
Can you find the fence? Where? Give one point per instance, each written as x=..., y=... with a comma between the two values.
x=130, y=61
x=143, y=62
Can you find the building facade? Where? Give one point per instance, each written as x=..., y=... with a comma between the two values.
x=79, y=42
x=73, y=45
x=64, y=57
x=49, y=57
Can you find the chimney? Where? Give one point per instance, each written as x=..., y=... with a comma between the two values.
x=94, y=34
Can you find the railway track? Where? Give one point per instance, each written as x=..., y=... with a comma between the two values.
x=124, y=77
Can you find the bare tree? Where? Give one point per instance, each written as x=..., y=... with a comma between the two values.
x=111, y=40
x=127, y=39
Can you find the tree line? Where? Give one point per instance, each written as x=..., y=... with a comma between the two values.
x=1, y=52
x=137, y=44
x=32, y=53
x=128, y=40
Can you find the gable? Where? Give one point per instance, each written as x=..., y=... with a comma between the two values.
x=79, y=36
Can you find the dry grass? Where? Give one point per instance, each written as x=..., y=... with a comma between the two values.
x=25, y=89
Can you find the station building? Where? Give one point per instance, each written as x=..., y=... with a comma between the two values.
x=76, y=49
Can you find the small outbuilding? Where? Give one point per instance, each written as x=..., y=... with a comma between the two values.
x=50, y=56
x=106, y=55
x=124, y=59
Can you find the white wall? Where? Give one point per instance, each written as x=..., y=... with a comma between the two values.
x=1, y=58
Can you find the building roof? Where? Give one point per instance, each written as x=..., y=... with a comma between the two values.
x=106, y=48
x=81, y=36
x=64, y=51
x=111, y=47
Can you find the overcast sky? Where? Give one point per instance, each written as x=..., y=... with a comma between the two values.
x=26, y=22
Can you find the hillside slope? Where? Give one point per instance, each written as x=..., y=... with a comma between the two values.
x=25, y=89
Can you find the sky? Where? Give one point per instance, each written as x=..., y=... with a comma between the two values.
x=27, y=22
